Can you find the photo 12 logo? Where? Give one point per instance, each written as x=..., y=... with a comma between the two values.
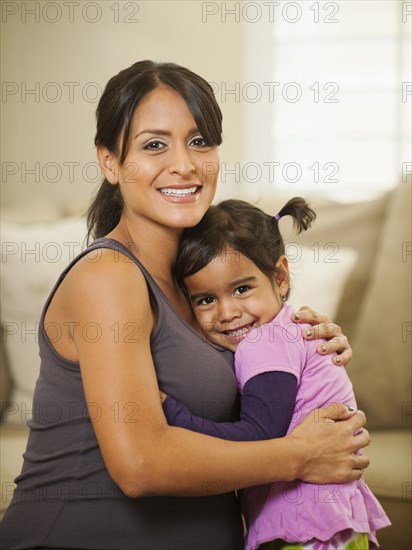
x=271, y=92
x=70, y=12
x=253, y=12
x=271, y=172
x=50, y=92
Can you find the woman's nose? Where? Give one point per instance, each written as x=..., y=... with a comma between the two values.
x=181, y=162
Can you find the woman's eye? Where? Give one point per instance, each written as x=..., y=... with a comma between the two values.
x=154, y=146
x=242, y=289
x=198, y=142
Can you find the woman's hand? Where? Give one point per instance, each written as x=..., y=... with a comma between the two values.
x=323, y=327
x=331, y=446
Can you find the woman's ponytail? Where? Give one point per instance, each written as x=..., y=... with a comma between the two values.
x=104, y=212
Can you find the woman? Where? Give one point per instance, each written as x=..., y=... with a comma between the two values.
x=109, y=473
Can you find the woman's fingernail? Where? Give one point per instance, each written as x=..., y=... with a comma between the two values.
x=350, y=408
x=296, y=316
x=324, y=348
x=338, y=359
x=309, y=332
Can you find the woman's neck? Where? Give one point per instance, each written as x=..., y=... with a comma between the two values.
x=156, y=247
x=153, y=244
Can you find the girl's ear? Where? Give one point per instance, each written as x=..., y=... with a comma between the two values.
x=282, y=277
x=108, y=164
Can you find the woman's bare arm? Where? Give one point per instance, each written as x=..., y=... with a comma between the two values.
x=142, y=453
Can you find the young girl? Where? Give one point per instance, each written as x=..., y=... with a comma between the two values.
x=234, y=270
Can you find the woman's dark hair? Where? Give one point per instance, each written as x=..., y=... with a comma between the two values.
x=242, y=227
x=114, y=115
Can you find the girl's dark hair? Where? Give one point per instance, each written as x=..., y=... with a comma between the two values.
x=242, y=227
x=114, y=114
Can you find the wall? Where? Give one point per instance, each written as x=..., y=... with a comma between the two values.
x=56, y=58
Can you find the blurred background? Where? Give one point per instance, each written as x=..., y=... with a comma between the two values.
x=316, y=96
x=316, y=100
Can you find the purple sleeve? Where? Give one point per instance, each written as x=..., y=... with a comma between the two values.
x=266, y=410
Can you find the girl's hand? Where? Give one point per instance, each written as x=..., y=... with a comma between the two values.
x=323, y=327
x=331, y=446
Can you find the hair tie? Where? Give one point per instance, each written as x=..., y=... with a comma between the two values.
x=277, y=217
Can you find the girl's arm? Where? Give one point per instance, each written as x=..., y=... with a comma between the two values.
x=267, y=405
x=146, y=456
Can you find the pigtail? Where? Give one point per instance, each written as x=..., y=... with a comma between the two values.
x=302, y=214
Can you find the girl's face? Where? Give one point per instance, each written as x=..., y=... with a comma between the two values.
x=169, y=175
x=231, y=295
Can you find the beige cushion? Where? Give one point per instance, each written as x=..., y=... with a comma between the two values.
x=390, y=474
x=33, y=256
x=356, y=226
x=309, y=276
x=399, y=535
x=5, y=379
x=381, y=367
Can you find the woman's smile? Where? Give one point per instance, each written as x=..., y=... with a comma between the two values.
x=182, y=194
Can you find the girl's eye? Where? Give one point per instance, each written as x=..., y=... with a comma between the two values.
x=242, y=289
x=154, y=145
x=207, y=300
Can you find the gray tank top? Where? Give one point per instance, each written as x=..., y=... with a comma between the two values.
x=65, y=497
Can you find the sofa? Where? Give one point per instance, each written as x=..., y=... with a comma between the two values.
x=354, y=264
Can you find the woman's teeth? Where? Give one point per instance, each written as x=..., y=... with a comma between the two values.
x=178, y=192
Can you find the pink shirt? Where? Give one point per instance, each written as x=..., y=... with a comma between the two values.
x=298, y=511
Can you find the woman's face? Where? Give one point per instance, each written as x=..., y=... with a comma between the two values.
x=169, y=175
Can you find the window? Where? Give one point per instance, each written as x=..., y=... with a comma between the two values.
x=334, y=116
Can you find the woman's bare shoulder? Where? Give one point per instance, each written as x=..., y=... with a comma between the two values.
x=104, y=284
x=105, y=268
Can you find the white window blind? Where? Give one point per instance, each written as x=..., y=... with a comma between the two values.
x=340, y=112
